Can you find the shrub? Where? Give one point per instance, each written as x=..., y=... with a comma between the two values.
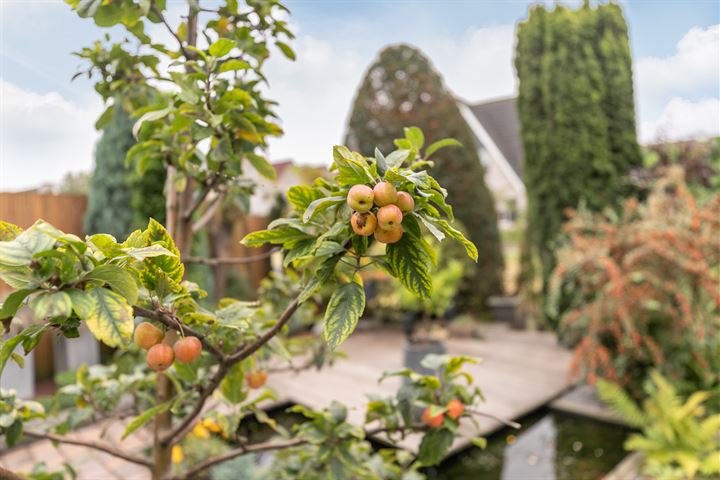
x=678, y=439
x=640, y=290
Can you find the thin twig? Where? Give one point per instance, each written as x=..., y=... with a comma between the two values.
x=172, y=322
x=508, y=423
x=231, y=260
x=103, y=447
x=186, y=52
x=200, y=199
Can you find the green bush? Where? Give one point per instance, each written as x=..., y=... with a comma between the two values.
x=678, y=438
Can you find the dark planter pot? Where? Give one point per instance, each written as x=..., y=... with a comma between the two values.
x=415, y=352
x=506, y=309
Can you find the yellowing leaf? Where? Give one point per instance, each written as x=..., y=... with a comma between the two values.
x=111, y=320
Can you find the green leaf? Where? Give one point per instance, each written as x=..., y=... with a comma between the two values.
x=12, y=303
x=262, y=166
x=105, y=118
x=344, y=309
x=233, y=65
x=276, y=236
x=9, y=231
x=439, y=235
x=396, y=158
x=286, y=50
x=434, y=445
x=150, y=116
x=410, y=263
x=445, y=142
x=145, y=417
x=221, y=47
x=118, y=279
x=301, y=196
x=111, y=320
x=470, y=247
x=415, y=136
x=170, y=264
x=232, y=386
x=141, y=253
x=352, y=169
x=51, y=305
x=321, y=204
x=82, y=303
x=20, y=250
x=8, y=347
x=13, y=432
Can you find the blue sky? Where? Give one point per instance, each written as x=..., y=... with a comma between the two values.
x=47, y=120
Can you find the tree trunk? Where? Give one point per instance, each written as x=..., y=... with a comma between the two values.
x=180, y=229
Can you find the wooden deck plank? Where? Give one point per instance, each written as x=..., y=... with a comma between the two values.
x=520, y=371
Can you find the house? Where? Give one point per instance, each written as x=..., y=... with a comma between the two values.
x=287, y=174
x=496, y=127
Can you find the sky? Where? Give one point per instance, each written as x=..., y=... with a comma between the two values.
x=46, y=121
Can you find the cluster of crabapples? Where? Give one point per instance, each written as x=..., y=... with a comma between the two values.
x=454, y=409
x=160, y=355
x=386, y=222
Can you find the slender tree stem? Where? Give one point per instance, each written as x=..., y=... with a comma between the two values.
x=157, y=12
x=255, y=346
x=508, y=423
x=103, y=447
x=231, y=260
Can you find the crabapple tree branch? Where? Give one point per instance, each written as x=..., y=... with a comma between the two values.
x=102, y=446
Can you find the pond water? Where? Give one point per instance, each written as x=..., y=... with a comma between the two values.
x=549, y=446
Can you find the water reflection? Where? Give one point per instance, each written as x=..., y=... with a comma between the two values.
x=550, y=446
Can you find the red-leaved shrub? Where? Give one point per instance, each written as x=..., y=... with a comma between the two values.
x=642, y=290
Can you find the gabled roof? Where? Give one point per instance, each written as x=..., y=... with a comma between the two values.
x=500, y=120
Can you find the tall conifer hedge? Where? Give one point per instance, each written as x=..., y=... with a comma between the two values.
x=577, y=115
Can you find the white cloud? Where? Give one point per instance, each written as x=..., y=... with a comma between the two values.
x=42, y=136
x=678, y=94
x=315, y=94
x=684, y=119
x=477, y=65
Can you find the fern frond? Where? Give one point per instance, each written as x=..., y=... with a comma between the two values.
x=621, y=403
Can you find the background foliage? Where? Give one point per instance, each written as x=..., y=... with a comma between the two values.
x=119, y=199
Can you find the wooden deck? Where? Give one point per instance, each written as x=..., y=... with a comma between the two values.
x=520, y=372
